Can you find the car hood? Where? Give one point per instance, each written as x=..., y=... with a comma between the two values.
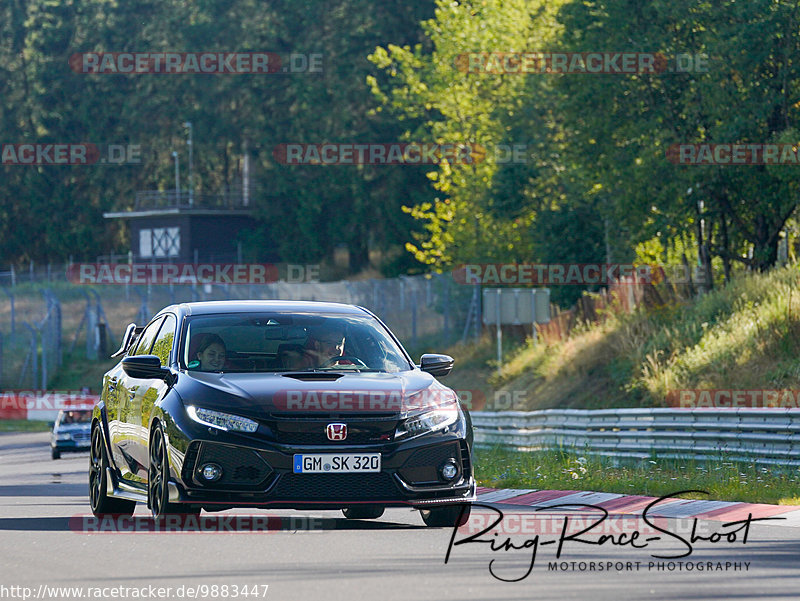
x=261, y=394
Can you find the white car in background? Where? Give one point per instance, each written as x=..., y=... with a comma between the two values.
x=71, y=432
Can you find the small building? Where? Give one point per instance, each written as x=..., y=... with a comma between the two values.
x=167, y=225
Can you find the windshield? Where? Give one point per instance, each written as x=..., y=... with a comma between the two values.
x=75, y=417
x=278, y=342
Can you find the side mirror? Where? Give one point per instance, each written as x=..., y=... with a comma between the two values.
x=145, y=367
x=131, y=333
x=436, y=365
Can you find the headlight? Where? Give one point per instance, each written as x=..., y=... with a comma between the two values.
x=63, y=436
x=223, y=421
x=430, y=421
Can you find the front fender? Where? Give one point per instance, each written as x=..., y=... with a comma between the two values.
x=100, y=416
x=169, y=413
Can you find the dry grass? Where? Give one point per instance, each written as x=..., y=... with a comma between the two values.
x=745, y=336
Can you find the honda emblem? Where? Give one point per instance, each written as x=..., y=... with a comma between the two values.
x=336, y=431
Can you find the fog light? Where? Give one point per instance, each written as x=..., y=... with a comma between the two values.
x=211, y=472
x=449, y=470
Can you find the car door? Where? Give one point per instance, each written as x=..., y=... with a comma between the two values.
x=125, y=434
x=152, y=391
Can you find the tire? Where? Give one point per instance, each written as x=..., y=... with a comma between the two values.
x=447, y=516
x=158, y=480
x=101, y=504
x=363, y=512
x=55, y=453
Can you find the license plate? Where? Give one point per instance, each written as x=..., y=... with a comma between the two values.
x=328, y=463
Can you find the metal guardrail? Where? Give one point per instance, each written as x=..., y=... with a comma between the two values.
x=765, y=436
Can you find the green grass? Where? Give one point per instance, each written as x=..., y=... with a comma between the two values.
x=21, y=425
x=724, y=480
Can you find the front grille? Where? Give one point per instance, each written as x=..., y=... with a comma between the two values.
x=245, y=473
x=81, y=437
x=317, y=438
x=432, y=455
x=466, y=460
x=305, y=430
x=189, y=461
x=336, y=486
x=423, y=466
x=241, y=467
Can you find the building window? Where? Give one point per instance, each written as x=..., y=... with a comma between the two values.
x=159, y=242
x=145, y=243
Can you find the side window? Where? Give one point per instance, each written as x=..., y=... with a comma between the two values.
x=147, y=338
x=163, y=344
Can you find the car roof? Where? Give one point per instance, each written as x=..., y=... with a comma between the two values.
x=256, y=306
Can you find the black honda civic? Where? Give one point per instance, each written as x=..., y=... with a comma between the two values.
x=279, y=404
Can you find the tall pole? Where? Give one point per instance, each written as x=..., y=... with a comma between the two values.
x=245, y=175
x=188, y=124
x=499, y=333
x=177, y=178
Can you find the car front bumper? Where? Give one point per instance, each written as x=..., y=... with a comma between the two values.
x=68, y=446
x=262, y=475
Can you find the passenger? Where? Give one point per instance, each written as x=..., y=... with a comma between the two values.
x=211, y=353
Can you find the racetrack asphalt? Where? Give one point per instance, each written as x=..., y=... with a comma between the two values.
x=50, y=540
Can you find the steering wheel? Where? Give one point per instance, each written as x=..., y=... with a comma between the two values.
x=352, y=358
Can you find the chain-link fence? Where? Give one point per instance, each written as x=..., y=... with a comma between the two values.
x=30, y=345
x=44, y=318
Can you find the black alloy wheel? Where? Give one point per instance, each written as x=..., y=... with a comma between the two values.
x=158, y=480
x=99, y=500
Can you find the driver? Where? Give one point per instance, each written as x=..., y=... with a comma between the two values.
x=324, y=345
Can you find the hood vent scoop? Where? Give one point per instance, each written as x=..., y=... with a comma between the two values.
x=314, y=376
